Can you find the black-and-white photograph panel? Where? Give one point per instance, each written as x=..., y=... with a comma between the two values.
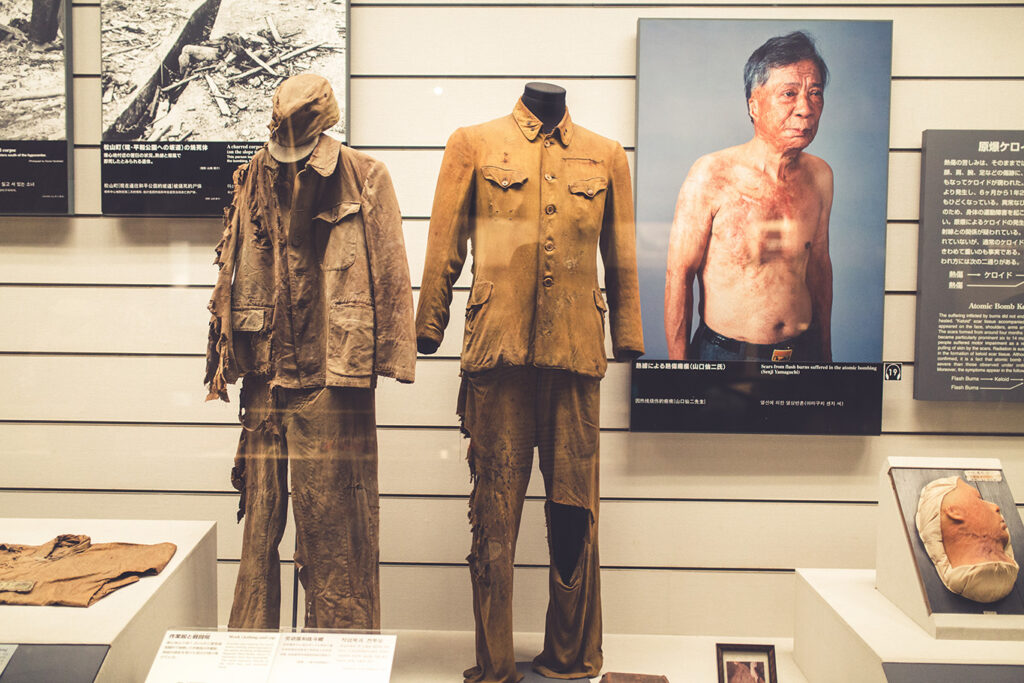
x=33, y=107
x=188, y=88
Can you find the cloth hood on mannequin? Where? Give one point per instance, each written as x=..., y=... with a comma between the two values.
x=304, y=107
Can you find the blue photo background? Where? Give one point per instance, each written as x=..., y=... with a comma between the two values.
x=690, y=101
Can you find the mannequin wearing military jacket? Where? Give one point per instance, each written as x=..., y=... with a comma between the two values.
x=313, y=303
x=538, y=206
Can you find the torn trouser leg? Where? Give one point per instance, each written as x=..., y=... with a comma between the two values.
x=331, y=437
x=497, y=408
x=261, y=475
x=568, y=432
x=505, y=413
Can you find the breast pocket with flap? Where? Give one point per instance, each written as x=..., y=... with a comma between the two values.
x=504, y=190
x=342, y=239
x=588, y=200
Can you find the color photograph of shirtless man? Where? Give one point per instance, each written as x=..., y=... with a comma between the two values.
x=751, y=225
x=761, y=212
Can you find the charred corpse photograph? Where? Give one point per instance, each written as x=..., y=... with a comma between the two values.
x=206, y=70
x=32, y=73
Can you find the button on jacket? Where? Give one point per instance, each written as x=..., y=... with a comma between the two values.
x=313, y=289
x=536, y=209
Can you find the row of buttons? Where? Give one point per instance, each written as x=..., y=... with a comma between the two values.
x=550, y=209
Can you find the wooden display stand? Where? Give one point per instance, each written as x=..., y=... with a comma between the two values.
x=131, y=621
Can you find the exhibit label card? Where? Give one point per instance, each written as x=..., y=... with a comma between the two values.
x=188, y=87
x=353, y=658
x=6, y=652
x=970, y=273
x=33, y=115
x=214, y=657
x=229, y=656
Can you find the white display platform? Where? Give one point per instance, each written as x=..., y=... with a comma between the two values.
x=898, y=578
x=132, y=620
x=442, y=656
x=847, y=631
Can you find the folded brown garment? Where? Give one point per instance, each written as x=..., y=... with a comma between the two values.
x=70, y=570
x=613, y=677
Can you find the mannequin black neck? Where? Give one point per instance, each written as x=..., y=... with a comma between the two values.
x=546, y=102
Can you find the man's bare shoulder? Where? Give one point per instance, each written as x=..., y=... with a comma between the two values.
x=818, y=169
x=713, y=173
x=716, y=164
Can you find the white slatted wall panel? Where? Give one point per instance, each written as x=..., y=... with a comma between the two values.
x=104, y=328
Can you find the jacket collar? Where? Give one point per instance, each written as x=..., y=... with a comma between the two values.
x=323, y=160
x=530, y=125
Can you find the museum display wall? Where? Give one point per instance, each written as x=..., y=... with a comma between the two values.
x=105, y=323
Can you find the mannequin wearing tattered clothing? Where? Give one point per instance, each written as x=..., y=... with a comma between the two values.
x=312, y=304
x=538, y=197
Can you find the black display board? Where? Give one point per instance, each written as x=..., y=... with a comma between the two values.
x=34, y=108
x=908, y=484
x=188, y=88
x=770, y=398
x=33, y=663
x=917, y=672
x=173, y=178
x=970, y=273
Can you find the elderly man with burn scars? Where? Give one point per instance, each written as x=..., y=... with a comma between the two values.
x=751, y=225
x=967, y=540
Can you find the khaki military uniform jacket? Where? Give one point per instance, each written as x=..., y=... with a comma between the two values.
x=314, y=288
x=536, y=209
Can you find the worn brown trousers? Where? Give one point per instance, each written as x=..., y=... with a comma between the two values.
x=328, y=439
x=507, y=412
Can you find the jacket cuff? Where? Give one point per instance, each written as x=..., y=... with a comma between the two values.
x=627, y=353
x=427, y=342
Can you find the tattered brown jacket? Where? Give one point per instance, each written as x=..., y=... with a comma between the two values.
x=71, y=570
x=318, y=295
x=536, y=209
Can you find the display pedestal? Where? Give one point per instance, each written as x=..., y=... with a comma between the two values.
x=441, y=656
x=130, y=621
x=848, y=632
x=898, y=576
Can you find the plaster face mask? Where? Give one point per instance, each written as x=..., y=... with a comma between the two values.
x=967, y=540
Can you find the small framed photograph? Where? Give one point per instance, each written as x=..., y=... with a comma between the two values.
x=742, y=663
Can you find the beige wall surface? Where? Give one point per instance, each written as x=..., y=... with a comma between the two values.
x=102, y=344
